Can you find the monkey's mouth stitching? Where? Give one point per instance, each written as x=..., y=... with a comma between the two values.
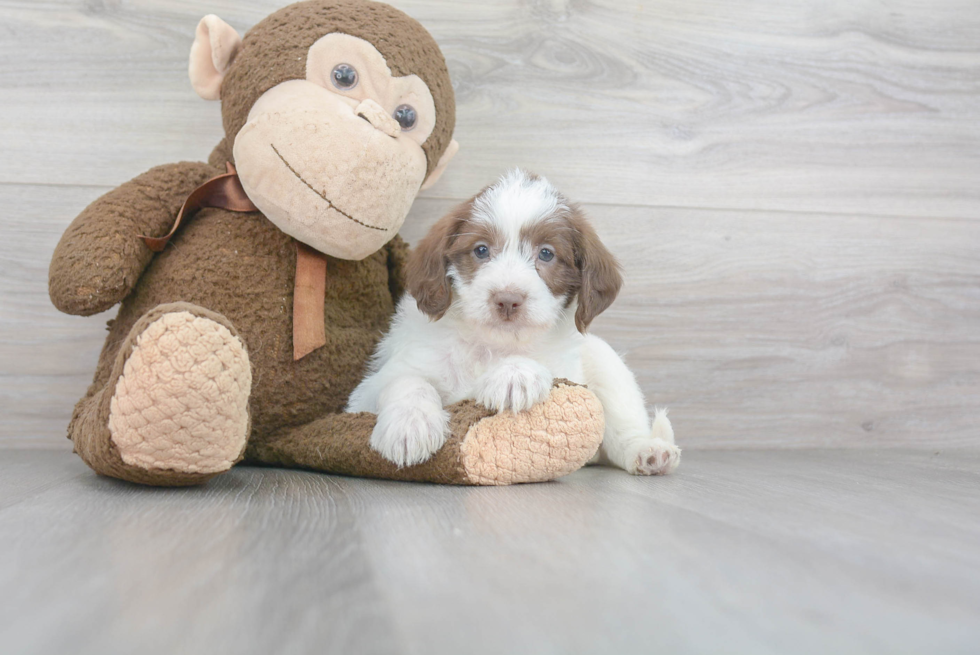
x=320, y=193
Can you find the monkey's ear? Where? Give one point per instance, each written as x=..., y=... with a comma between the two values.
x=215, y=45
x=440, y=168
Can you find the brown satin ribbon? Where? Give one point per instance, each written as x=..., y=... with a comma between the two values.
x=309, y=332
x=226, y=192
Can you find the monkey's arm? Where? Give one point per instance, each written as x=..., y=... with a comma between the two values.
x=100, y=257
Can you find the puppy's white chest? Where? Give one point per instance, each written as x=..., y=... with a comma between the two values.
x=464, y=364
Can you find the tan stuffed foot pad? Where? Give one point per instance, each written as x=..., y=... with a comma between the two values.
x=545, y=442
x=181, y=403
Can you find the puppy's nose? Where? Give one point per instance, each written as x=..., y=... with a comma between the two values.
x=508, y=303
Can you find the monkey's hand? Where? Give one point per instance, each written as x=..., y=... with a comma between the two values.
x=100, y=257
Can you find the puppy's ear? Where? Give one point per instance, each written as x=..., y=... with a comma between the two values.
x=426, y=270
x=601, y=278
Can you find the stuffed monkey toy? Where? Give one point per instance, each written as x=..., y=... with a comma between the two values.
x=255, y=287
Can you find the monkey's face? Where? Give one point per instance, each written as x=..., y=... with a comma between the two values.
x=329, y=143
x=336, y=160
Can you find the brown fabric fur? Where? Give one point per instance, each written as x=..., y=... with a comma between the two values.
x=340, y=444
x=98, y=261
x=242, y=267
x=238, y=269
x=89, y=423
x=274, y=51
x=239, y=266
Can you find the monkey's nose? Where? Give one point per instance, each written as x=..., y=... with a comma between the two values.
x=508, y=303
x=376, y=115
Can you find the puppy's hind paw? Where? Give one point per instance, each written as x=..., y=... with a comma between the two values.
x=655, y=457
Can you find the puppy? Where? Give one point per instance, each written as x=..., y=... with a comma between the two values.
x=502, y=291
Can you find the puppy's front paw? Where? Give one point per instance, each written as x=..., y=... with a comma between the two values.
x=410, y=434
x=516, y=383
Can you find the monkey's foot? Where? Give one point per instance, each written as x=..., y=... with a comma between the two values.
x=547, y=441
x=181, y=403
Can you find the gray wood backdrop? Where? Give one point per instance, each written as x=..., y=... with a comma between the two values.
x=794, y=189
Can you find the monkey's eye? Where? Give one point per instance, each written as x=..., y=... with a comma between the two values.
x=481, y=252
x=406, y=117
x=546, y=255
x=344, y=77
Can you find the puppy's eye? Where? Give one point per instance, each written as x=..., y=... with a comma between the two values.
x=406, y=117
x=344, y=77
x=546, y=255
x=481, y=252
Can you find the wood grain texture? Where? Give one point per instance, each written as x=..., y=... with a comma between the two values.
x=766, y=329
x=791, y=188
x=848, y=107
x=47, y=359
x=741, y=552
x=753, y=328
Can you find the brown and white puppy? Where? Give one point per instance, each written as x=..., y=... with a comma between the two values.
x=503, y=290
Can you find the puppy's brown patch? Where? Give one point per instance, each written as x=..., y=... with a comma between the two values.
x=470, y=235
x=450, y=241
x=425, y=270
x=557, y=233
x=601, y=277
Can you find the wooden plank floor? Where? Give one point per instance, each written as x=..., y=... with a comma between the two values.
x=845, y=107
x=742, y=552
